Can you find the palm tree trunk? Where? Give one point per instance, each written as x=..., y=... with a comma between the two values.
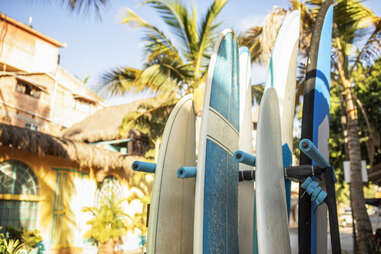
x=364, y=232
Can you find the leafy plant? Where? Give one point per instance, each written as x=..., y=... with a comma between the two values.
x=13, y=247
x=10, y=246
x=109, y=221
x=29, y=238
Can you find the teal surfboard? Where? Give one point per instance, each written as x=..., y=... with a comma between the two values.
x=216, y=197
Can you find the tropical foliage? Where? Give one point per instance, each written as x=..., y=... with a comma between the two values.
x=175, y=64
x=10, y=246
x=109, y=221
x=14, y=241
x=84, y=6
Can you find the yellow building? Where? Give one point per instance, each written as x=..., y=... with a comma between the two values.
x=46, y=181
x=55, y=142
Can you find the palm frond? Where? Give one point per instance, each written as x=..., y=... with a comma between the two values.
x=159, y=78
x=351, y=16
x=84, y=6
x=153, y=34
x=261, y=40
x=119, y=81
x=251, y=39
x=372, y=47
x=207, y=34
x=257, y=92
x=177, y=17
x=149, y=119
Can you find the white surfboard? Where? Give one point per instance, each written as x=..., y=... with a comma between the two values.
x=272, y=222
x=282, y=72
x=170, y=227
x=282, y=76
x=246, y=193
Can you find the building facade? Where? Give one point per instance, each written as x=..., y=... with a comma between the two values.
x=45, y=179
x=35, y=91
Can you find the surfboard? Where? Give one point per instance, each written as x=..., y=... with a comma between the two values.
x=282, y=76
x=315, y=126
x=247, y=233
x=271, y=207
x=170, y=228
x=216, y=207
x=321, y=127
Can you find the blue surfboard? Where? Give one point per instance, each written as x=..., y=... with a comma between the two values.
x=216, y=197
x=315, y=126
x=321, y=126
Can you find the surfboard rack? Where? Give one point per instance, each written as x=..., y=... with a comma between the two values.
x=309, y=149
x=294, y=173
x=312, y=188
x=300, y=173
x=186, y=172
x=246, y=175
x=305, y=174
x=244, y=158
x=142, y=166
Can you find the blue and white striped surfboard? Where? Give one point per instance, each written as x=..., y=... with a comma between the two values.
x=321, y=126
x=216, y=219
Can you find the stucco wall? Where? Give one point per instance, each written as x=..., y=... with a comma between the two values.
x=66, y=234
x=25, y=51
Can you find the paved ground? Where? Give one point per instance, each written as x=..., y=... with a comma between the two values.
x=345, y=237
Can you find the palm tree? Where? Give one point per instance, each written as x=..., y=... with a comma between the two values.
x=83, y=6
x=260, y=41
x=175, y=64
x=356, y=43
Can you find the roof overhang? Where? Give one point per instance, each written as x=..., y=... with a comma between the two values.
x=33, y=83
x=25, y=79
x=84, y=98
x=30, y=30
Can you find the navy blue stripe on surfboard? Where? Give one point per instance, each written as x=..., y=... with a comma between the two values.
x=220, y=202
x=287, y=161
x=225, y=81
x=321, y=100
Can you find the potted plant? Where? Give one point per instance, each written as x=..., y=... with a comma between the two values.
x=108, y=224
x=26, y=241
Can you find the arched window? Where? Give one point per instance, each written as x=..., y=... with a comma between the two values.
x=18, y=195
x=106, y=188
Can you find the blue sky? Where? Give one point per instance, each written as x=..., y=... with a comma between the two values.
x=95, y=46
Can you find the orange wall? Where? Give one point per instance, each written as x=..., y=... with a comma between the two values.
x=26, y=51
x=20, y=108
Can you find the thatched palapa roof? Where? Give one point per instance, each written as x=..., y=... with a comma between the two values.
x=105, y=123
x=84, y=155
